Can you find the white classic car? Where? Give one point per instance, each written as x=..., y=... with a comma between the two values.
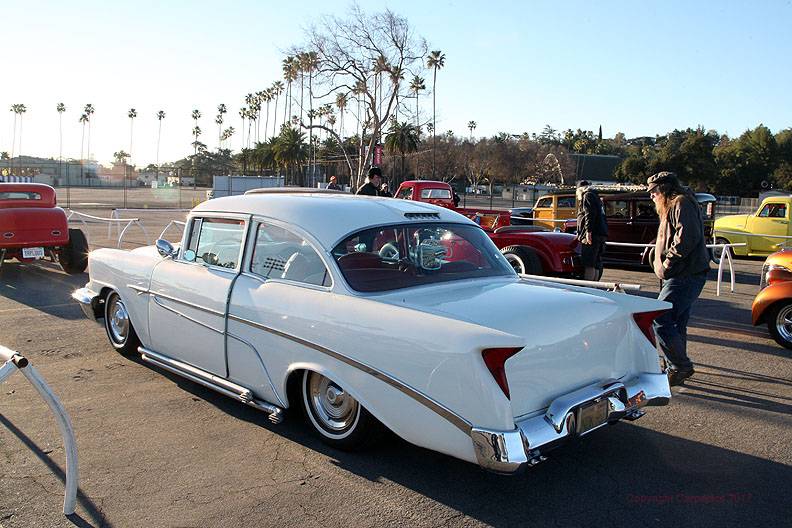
x=369, y=312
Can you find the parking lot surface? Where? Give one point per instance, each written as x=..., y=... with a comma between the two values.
x=157, y=450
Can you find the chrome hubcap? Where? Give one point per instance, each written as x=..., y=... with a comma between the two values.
x=784, y=323
x=333, y=407
x=118, y=320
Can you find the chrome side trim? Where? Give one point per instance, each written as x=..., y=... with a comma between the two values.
x=223, y=386
x=177, y=312
x=438, y=408
x=141, y=290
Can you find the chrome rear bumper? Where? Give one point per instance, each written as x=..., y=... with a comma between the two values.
x=512, y=451
x=90, y=302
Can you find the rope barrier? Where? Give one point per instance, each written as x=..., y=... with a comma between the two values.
x=110, y=221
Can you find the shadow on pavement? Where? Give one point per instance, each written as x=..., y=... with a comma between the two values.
x=82, y=500
x=616, y=475
x=43, y=287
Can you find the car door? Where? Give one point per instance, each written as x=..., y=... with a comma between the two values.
x=617, y=215
x=189, y=294
x=274, y=305
x=772, y=219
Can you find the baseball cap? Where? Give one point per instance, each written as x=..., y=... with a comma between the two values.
x=660, y=178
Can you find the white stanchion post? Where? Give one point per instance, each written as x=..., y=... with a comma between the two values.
x=15, y=361
x=720, y=270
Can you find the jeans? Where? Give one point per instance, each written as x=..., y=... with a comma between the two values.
x=671, y=327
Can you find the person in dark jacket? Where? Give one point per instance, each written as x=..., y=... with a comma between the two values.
x=372, y=186
x=592, y=230
x=680, y=260
x=385, y=191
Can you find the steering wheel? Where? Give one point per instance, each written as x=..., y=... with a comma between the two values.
x=389, y=251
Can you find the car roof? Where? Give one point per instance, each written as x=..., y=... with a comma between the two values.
x=330, y=216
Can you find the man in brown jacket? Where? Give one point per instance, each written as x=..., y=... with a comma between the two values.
x=681, y=262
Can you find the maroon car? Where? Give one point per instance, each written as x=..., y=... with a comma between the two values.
x=33, y=227
x=529, y=249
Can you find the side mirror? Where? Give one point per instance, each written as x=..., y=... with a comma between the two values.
x=165, y=248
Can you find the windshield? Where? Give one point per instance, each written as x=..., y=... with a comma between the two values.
x=402, y=256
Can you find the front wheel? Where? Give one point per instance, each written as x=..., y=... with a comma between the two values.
x=337, y=417
x=118, y=325
x=779, y=322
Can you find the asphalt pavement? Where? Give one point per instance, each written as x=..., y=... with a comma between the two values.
x=157, y=450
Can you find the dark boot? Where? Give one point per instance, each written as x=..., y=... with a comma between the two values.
x=678, y=377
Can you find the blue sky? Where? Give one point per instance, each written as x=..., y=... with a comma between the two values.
x=636, y=67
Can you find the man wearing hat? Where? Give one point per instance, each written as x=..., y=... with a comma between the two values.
x=372, y=186
x=333, y=185
x=681, y=261
x=592, y=230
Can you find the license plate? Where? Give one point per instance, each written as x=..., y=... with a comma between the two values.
x=592, y=416
x=33, y=253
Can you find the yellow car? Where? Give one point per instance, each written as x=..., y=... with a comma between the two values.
x=772, y=218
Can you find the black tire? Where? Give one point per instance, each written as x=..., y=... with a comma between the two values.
x=118, y=325
x=523, y=259
x=779, y=323
x=715, y=253
x=74, y=256
x=355, y=428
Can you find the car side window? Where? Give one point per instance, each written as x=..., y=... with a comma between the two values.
x=405, y=194
x=617, y=209
x=547, y=201
x=773, y=210
x=215, y=242
x=566, y=202
x=645, y=209
x=281, y=254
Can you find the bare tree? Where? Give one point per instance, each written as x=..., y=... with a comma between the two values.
x=350, y=52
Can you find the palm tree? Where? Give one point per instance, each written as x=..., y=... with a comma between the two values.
x=132, y=114
x=416, y=85
x=83, y=121
x=89, y=110
x=120, y=157
x=341, y=102
x=436, y=61
x=402, y=138
x=221, y=111
x=21, y=109
x=60, y=109
x=160, y=117
x=290, y=149
x=277, y=89
x=243, y=115
x=472, y=127
x=290, y=70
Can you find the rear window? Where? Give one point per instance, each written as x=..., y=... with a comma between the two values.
x=403, y=256
x=436, y=193
x=20, y=195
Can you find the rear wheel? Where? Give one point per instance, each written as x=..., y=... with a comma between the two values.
x=779, y=322
x=74, y=256
x=338, y=418
x=118, y=325
x=523, y=259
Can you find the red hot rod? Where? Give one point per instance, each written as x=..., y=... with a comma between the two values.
x=32, y=226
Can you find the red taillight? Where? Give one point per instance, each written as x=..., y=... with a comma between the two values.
x=644, y=321
x=495, y=358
